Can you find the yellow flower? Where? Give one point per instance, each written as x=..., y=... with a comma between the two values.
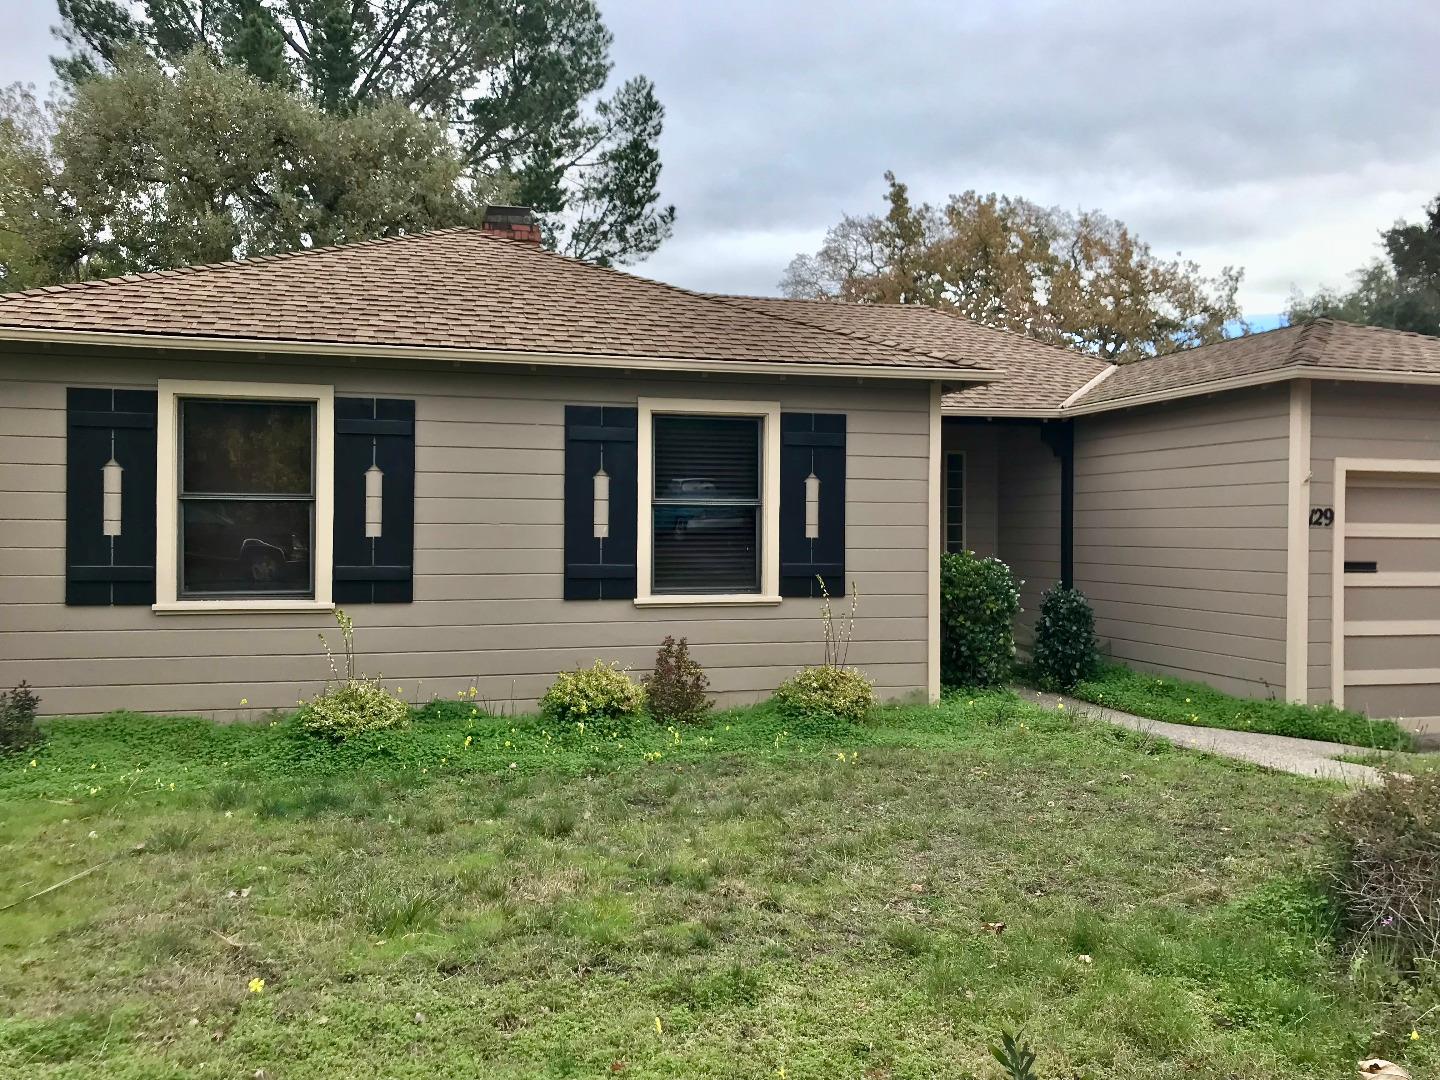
x=1414, y=1035
x=1060, y=705
x=467, y=740
x=244, y=701
x=257, y=986
x=659, y=1027
x=34, y=764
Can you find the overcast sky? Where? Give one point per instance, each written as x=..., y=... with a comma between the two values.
x=1279, y=136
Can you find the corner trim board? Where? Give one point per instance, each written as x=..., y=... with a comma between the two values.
x=937, y=480
x=1297, y=542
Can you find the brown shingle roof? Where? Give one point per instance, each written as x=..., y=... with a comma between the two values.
x=1036, y=376
x=1317, y=345
x=459, y=289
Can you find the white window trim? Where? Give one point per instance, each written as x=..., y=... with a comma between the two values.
x=167, y=508
x=769, y=413
x=945, y=500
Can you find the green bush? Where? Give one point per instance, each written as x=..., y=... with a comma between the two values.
x=18, y=730
x=597, y=697
x=1387, y=881
x=1065, y=648
x=676, y=688
x=354, y=707
x=822, y=694
x=1159, y=698
x=351, y=704
x=979, y=600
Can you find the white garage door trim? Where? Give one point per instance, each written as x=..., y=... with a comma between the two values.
x=1338, y=628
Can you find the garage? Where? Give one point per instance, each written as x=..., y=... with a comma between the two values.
x=1388, y=559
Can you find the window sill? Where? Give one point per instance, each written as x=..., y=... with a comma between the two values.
x=200, y=607
x=707, y=600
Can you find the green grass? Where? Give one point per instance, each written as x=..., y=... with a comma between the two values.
x=754, y=899
x=1178, y=702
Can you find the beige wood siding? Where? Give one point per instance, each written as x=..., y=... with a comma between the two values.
x=1372, y=421
x=1029, y=528
x=1180, y=537
x=978, y=442
x=488, y=551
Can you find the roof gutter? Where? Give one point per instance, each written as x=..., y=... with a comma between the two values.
x=342, y=350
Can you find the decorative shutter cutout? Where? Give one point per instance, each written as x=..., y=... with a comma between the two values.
x=812, y=503
x=110, y=497
x=600, y=552
x=374, y=501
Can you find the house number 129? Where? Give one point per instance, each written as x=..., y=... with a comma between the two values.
x=1322, y=517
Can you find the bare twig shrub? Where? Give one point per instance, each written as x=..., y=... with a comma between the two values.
x=1388, y=879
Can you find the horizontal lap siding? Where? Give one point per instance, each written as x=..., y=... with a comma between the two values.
x=488, y=560
x=1180, y=537
x=1358, y=420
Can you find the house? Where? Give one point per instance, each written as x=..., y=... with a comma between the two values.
x=505, y=463
x=501, y=462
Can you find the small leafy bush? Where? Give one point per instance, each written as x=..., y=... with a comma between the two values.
x=676, y=688
x=1387, y=881
x=354, y=704
x=822, y=694
x=18, y=730
x=1065, y=648
x=979, y=600
x=352, y=708
x=1161, y=698
x=598, y=697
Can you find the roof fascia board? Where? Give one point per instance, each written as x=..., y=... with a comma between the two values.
x=496, y=356
x=1261, y=378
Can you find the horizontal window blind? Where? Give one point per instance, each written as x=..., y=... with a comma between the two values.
x=706, y=504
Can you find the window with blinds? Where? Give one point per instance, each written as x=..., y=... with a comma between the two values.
x=706, y=504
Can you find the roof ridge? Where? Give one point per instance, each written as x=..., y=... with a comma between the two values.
x=1310, y=343
x=740, y=301
x=228, y=264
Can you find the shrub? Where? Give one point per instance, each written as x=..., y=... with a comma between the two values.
x=598, y=697
x=825, y=694
x=352, y=708
x=979, y=600
x=1178, y=702
x=1065, y=647
x=1387, y=881
x=353, y=704
x=18, y=730
x=676, y=688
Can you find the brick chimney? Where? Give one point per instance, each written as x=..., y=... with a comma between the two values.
x=511, y=222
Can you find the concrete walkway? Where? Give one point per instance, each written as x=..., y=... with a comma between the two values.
x=1303, y=757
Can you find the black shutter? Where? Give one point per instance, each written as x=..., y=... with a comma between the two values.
x=812, y=443
x=100, y=425
x=595, y=436
x=380, y=569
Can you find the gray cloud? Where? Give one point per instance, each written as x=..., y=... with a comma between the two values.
x=1278, y=136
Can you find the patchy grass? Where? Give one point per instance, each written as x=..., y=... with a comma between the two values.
x=1181, y=702
x=537, y=904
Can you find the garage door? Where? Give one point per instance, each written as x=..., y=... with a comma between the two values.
x=1392, y=595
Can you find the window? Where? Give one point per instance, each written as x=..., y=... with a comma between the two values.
x=709, y=515
x=247, y=498
x=246, y=474
x=706, y=505
x=955, y=501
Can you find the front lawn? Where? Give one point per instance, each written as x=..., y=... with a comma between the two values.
x=479, y=897
x=1175, y=701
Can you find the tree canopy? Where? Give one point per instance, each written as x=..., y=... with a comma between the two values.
x=1401, y=291
x=146, y=168
x=517, y=85
x=1081, y=280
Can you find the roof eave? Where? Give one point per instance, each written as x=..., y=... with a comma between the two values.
x=325, y=349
